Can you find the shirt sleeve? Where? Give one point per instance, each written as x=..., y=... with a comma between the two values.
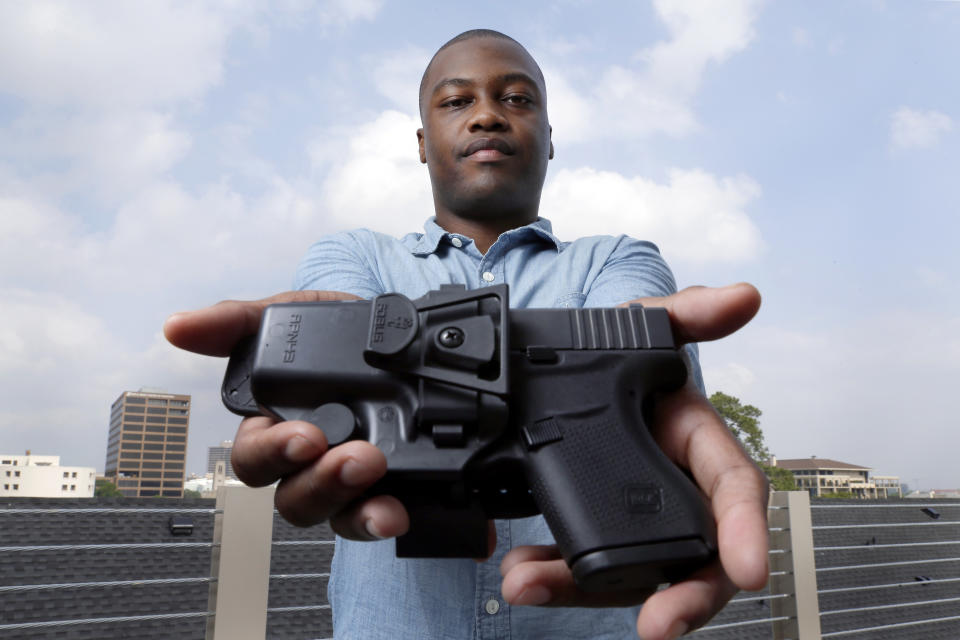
x=635, y=269
x=338, y=262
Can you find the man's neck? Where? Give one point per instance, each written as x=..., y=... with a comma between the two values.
x=483, y=232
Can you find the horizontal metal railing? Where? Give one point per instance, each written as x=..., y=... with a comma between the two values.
x=861, y=616
x=755, y=611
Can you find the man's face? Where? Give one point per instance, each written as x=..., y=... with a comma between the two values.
x=485, y=135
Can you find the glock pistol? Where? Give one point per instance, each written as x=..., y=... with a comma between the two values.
x=489, y=412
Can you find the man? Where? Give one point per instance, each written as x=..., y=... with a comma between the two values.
x=486, y=143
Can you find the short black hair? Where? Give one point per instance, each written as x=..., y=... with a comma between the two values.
x=470, y=35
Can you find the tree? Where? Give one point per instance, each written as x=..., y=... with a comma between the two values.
x=103, y=488
x=780, y=479
x=744, y=422
x=190, y=493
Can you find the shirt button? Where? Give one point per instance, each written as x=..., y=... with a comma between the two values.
x=457, y=242
x=488, y=276
x=492, y=606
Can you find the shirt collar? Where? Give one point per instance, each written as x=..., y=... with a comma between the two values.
x=540, y=229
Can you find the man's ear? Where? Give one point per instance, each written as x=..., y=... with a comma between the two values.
x=423, y=153
x=550, y=157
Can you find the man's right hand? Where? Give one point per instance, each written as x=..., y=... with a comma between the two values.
x=317, y=483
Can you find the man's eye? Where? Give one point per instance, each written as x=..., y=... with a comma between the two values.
x=517, y=99
x=453, y=103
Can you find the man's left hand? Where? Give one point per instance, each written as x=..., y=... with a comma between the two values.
x=693, y=435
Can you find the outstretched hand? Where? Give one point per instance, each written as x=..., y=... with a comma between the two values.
x=693, y=435
x=319, y=483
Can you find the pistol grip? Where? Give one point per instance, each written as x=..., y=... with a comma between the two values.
x=624, y=516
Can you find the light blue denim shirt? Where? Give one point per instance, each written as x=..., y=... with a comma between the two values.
x=375, y=595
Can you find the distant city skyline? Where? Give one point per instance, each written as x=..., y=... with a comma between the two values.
x=163, y=156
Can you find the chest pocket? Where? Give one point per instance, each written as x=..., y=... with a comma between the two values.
x=570, y=301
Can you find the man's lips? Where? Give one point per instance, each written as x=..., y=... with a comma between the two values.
x=482, y=146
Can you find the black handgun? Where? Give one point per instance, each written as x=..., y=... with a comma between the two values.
x=486, y=412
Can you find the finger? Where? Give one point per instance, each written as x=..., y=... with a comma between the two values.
x=704, y=313
x=339, y=477
x=374, y=519
x=529, y=553
x=264, y=450
x=537, y=576
x=684, y=606
x=690, y=432
x=215, y=330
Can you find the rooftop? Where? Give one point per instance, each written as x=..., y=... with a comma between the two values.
x=799, y=464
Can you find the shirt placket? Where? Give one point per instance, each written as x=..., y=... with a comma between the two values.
x=491, y=269
x=491, y=613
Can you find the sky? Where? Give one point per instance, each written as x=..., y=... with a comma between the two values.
x=158, y=157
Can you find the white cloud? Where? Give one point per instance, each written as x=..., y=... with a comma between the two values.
x=397, y=76
x=110, y=153
x=656, y=98
x=916, y=129
x=117, y=54
x=731, y=378
x=694, y=218
x=377, y=180
x=106, y=54
x=343, y=11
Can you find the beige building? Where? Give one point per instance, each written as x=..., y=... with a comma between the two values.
x=821, y=476
x=147, y=445
x=30, y=476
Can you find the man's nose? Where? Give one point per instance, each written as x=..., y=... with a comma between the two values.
x=488, y=116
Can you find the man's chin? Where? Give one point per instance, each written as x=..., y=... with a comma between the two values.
x=493, y=202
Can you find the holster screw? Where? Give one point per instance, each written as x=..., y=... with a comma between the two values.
x=451, y=337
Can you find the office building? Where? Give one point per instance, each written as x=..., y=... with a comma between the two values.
x=31, y=476
x=221, y=454
x=820, y=476
x=147, y=446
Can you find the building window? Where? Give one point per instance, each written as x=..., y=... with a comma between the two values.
x=73, y=487
x=16, y=474
x=8, y=474
x=6, y=487
x=66, y=474
x=15, y=487
x=136, y=400
x=63, y=487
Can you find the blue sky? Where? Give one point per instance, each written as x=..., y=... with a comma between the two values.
x=165, y=156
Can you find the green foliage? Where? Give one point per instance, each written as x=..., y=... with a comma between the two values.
x=837, y=494
x=743, y=420
x=106, y=489
x=780, y=479
x=190, y=493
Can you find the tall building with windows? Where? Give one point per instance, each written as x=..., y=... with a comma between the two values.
x=218, y=454
x=147, y=445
